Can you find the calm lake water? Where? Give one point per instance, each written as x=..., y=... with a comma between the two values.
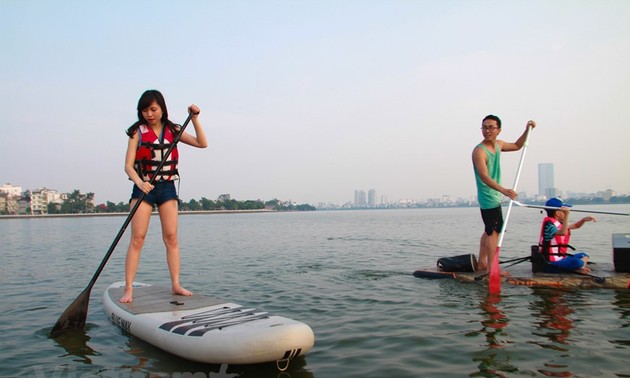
x=348, y=274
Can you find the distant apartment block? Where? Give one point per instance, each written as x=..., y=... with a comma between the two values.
x=546, y=186
x=14, y=201
x=40, y=198
x=359, y=198
x=372, y=202
x=363, y=200
x=11, y=190
x=9, y=196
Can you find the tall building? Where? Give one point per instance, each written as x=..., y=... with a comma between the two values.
x=546, y=185
x=11, y=190
x=372, y=198
x=359, y=198
x=40, y=199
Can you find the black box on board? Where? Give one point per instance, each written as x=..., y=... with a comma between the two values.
x=621, y=252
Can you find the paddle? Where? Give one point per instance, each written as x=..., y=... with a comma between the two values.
x=516, y=261
x=598, y=279
x=75, y=315
x=494, y=285
x=572, y=209
x=519, y=259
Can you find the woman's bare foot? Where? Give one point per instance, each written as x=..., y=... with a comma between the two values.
x=127, y=296
x=178, y=290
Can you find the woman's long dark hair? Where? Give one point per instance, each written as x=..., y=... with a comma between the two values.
x=147, y=98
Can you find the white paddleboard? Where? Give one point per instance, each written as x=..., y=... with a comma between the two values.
x=206, y=329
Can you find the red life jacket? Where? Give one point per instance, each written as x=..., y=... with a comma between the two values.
x=151, y=152
x=556, y=248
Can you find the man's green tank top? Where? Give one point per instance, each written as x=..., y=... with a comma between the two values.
x=487, y=197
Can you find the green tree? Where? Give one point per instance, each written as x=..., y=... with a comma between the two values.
x=123, y=207
x=230, y=204
x=54, y=208
x=207, y=204
x=111, y=207
x=73, y=204
x=78, y=203
x=274, y=203
x=252, y=205
x=193, y=205
x=305, y=207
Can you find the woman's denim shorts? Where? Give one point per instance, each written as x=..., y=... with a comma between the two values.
x=162, y=192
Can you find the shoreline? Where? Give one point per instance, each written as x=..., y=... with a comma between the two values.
x=201, y=212
x=218, y=212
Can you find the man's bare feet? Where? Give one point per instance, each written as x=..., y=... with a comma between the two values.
x=178, y=290
x=486, y=272
x=127, y=296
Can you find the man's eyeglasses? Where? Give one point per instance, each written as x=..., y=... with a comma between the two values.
x=488, y=128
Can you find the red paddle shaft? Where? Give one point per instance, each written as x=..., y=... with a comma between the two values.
x=494, y=286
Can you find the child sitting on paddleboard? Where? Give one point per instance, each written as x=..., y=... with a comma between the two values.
x=554, y=239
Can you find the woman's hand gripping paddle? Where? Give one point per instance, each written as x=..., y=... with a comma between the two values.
x=494, y=285
x=76, y=314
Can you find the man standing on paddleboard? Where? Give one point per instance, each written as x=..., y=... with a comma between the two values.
x=486, y=157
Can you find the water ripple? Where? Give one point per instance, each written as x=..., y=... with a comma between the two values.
x=346, y=274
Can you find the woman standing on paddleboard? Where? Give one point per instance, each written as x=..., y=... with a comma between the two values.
x=149, y=139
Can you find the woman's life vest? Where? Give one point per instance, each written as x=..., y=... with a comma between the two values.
x=151, y=151
x=554, y=249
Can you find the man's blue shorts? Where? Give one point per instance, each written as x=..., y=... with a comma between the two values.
x=162, y=192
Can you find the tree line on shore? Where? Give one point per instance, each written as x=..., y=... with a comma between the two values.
x=75, y=205
x=80, y=205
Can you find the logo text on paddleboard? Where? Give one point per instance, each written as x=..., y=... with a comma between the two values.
x=122, y=323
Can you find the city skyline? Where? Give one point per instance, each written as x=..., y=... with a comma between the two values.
x=361, y=198
x=307, y=101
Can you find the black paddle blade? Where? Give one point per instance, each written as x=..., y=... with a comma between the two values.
x=74, y=316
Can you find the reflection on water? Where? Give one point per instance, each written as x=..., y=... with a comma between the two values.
x=75, y=342
x=553, y=316
x=622, y=305
x=554, y=322
x=495, y=319
x=494, y=323
x=154, y=362
x=621, y=336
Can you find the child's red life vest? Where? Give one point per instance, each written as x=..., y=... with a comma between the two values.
x=556, y=248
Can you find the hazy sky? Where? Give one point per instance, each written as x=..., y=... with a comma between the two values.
x=310, y=100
